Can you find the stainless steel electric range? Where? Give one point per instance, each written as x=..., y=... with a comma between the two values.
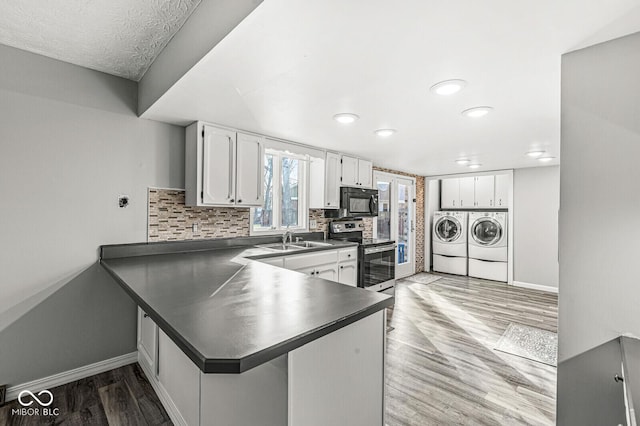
x=376, y=258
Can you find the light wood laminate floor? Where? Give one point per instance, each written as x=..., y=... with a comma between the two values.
x=441, y=365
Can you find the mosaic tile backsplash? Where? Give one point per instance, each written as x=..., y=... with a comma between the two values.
x=170, y=220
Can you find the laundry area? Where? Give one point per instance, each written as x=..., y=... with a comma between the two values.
x=499, y=226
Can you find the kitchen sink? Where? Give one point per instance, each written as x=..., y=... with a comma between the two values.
x=281, y=247
x=293, y=246
x=310, y=244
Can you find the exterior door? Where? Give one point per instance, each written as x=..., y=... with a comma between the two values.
x=396, y=218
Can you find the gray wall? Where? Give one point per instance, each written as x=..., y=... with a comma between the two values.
x=536, y=193
x=70, y=143
x=600, y=195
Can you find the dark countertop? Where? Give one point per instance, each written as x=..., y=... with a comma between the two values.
x=228, y=313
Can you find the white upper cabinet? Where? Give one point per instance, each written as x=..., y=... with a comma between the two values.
x=365, y=173
x=502, y=191
x=218, y=166
x=484, y=191
x=324, y=185
x=222, y=167
x=450, y=193
x=349, y=171
x=467, y=185
x=475, y=192
x=332, y=181
x=357, y=172
x=249, y=170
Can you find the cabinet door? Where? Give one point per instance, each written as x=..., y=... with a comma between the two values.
x=249, y=170
x=147, y=339
x=485, y=191
x=332, y=181
x=218, y=166
x=467, y=196
x=365, y=173
x=348, y=273
x=327, y=272
x=180, y=378
x=349, y=171
x=450, y=193
x=502, y=191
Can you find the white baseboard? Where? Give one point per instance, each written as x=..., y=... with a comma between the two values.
x=165, y=399
x=536, y=286
x=72, y=375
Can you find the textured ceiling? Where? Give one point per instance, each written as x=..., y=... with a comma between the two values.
x=120, y=37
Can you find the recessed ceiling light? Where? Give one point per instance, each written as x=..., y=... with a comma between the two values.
x=345, y=117
x=474, y=166
x=546, y=159
x=476, y=112
x=383, y=133
x=448, y=87
x=535, y=153
x=463, y=161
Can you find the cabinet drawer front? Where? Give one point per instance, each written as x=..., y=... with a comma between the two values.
x=347, y=255
x=311, y=259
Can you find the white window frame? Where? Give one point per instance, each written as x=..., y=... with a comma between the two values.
x=303, y=195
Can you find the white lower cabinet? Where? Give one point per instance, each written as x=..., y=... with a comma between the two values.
x=147, y=340
x=180, y=378
x=348, y=273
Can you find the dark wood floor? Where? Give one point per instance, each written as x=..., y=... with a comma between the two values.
x=441, y=365
x=117, y=397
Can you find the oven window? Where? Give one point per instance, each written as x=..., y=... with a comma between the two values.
x=358, y=205
x=379, y=267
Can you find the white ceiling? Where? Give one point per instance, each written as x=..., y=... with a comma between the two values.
x=120, y=37
x=291, y=65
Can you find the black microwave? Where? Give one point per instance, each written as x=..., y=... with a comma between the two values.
x=358, y=202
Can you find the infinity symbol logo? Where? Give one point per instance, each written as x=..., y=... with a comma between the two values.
x=28, y=392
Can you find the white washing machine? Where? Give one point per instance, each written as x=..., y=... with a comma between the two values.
x=449, y=238
x=488, y=250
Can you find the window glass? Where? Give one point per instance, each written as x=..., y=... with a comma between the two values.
x=263, y=216
x=290, y=180
x=284, y=195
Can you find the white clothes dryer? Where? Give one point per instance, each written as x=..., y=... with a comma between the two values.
x=488, y=248
x=449, y=239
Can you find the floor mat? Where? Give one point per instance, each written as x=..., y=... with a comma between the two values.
x=530, y=342
x=423, y=278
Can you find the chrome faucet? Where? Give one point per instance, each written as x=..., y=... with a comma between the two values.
x=288, y=235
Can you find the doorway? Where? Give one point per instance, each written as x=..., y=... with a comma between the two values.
x=397, y=217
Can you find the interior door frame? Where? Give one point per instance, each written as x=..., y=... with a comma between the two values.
x=432, y=204
x=392, y=178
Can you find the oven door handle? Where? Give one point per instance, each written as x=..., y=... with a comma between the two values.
x=380, y=249
x=372, y=204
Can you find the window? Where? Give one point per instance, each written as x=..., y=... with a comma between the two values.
x=284, y=194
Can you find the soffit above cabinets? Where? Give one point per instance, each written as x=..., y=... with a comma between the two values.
x=291, y=65
x=119, y=37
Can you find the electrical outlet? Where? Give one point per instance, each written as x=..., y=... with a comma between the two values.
x=194, y=228
x=313, y=223
x=3, y=394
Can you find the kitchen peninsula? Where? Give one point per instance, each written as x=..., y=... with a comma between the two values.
x=242, y=342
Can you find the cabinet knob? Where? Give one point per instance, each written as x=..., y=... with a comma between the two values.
x=349, y=255
x=239, y=201
x=341, y=266
x=231, y=200
x=145, y=315
x=618, y=379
